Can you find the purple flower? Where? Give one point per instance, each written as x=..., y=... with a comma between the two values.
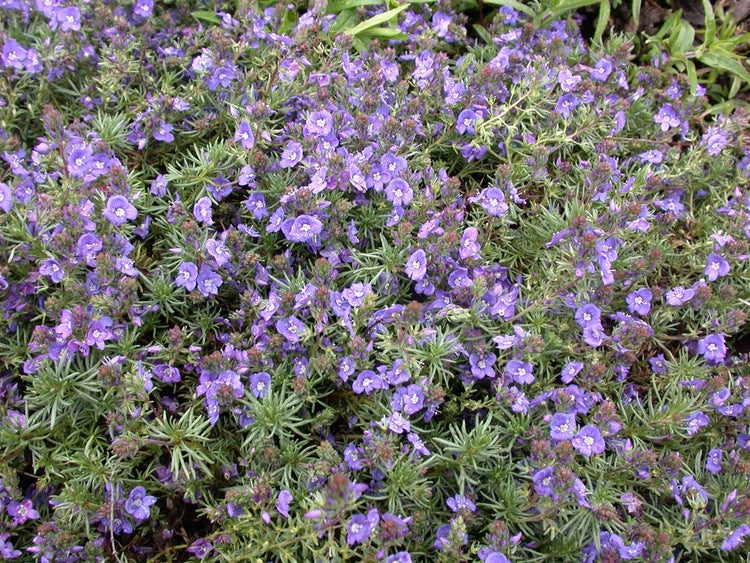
x=520, y=372
x=6, y=197
x=143, y=8
x=567, y=80
x=639, y=302
x=398, y=192
x=260, y=384
x=465, y=122
x=68, y=18
x=356, y=294
x=400, y=557
x=368, y=382
x=602, y=70
x=667, y=117
x=319, y=124
x=301, y=229
x=187, y=276
x=589, y=441
x=202, y=211
x=713, y=348
x=566, y=104
x=222, y=76
x=291, y=328
x=98, y=332
x=208, y=281
x=282, y=502
x=570, y=370
x=460, y=503
x=7, y=551
x=291, y=155
x=493, y=202
x=52, y=269
x=713, y=461
x=244, y=135
x=138, y=503
x=409, y=399
x=716, y=267
x=735, y=539
x=416, y=265
x=163, y=132
x=469, y=246
x=679, y=295
x=256, y=203
x=715, y=139
x=360, y=526
x=695, y=422
x=496, y=557
x=588, y=315
x=159, y=186
x=14, y=54
x=563, y=426
x=481, y=366
x=653, y=156
x=119, y=210
x=21, y=511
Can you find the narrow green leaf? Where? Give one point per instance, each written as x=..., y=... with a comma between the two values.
x=513, y=4
x=375, y=20
x=682, y=38
x=709, y=22
x=601, y=24
x=725, y=61
x=570, y=6
x=205, y=15
x=343, y=20
x=692, y=77
x=389, y=33
x=482, y=32
x=336, y=6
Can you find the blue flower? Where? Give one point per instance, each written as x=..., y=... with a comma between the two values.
x=138, y=503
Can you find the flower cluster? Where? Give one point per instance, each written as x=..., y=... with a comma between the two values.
x=269, y=294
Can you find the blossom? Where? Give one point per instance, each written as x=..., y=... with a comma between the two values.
x=469, y=247
x=143, y=8
x=21, y=511
x=319, y=124
x=282, y=502
x=588, y=315
x=601, y=70
x=361, y=526
x=163, y=132
x=570, y=370
x=736, y=538
x=567, y=80
x=119, y=210
x=460, y=503
x=679, y=295
x=368, y=382
x=398, y=192
x=493, y=202
x=244, y=135
x=291, y=328
x=695, y=422
x=416, y=265
x=713, y=348
x=301, y=229
x=481, y=366
x=520, y=372
x=138, y=503
x=639, y=302
x=208, y=281
x=667, y=117
x=260, y=384
x=716, y=267
x=563, y=426
x=589, y=441
x=291, y=155
x=713, y=460
x=6, y=197
x=465, y=122
x=202, y=211
x=187, y=276
x=52, y=268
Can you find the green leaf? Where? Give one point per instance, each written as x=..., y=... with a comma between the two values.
x=725, y=61
x=569, y=6
x=389, y=33
x=513, y=4
x=709, y=22
x=601, y=23
x=336, y=6
x=343, y=20
x=681, y=40
x=692, y=77
x=205, y=15
x=375, y=20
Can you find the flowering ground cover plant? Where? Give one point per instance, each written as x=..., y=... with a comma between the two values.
x=271, y=296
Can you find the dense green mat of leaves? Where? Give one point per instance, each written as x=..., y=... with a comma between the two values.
x=359, y=284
